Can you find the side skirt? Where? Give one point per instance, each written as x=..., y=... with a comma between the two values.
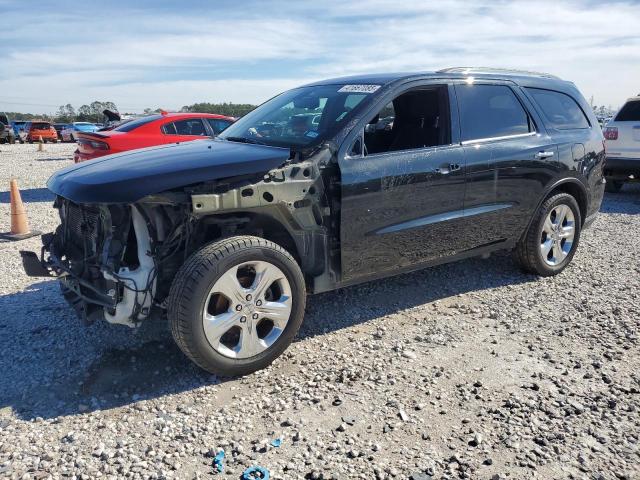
x=475, y=252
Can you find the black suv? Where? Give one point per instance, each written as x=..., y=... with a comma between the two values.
x=326, y=185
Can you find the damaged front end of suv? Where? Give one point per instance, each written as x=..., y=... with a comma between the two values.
x=123, y=236
x=105, y=259
x=225, y=236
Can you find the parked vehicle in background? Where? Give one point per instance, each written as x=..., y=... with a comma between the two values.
x=70, y=133
x=7, y=135
x=622, y=136
x=149, y=131
x=37, y=129
x=59, y=127
x=18, y=127
x=228, y=235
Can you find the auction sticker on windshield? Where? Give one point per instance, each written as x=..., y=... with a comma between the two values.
x=359, y=88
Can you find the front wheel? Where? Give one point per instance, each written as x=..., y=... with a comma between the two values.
x=551, y=240
x=236, y=305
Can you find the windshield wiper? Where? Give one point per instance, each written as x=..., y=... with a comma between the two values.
x=252, y=141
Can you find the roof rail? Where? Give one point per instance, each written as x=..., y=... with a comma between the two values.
x=496, y=70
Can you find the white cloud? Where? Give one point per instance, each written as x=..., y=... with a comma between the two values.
x=144, y=57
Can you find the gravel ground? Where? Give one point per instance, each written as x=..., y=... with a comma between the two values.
x=471, y=370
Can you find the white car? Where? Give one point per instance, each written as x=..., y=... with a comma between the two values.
x=622, y=136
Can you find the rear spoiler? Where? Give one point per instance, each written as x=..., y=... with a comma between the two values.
x=91, y=135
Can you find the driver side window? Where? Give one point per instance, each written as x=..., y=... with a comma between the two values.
x=418, y=118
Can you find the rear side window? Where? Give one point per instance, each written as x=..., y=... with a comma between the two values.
x=489, y=111
x=190, y=126
x=559, y=110
x=138, y=122
x=218, y=124
x=630, y=112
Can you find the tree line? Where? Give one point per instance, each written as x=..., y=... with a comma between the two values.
x=93, y=111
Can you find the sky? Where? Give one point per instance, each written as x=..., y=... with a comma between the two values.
x=166, y=54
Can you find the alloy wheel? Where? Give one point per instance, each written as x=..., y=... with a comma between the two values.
x=558, y=232
x=247, y=309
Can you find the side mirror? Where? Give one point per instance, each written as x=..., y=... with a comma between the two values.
x=357, y=147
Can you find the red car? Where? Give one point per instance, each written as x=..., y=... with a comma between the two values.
x=149, y=131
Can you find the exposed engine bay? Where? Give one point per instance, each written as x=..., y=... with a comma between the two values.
x=117, y=261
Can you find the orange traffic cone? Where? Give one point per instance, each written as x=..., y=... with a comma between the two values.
x=19, y=223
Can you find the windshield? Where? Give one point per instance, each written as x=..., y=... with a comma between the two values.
x=299, y=117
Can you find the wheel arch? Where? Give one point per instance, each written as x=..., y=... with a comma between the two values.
x=272, y=224
x=573, y=187
x=276, y=231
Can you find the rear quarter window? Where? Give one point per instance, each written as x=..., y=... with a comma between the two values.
x=630, y=112
x=559, y=110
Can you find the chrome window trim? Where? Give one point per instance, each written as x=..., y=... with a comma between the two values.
x=493, y=139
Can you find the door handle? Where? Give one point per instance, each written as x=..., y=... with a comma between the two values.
x=447, y=169
x=543, y=155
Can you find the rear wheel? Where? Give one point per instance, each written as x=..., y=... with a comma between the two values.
x=613, y=186
x=552, y=238
x=236, y=305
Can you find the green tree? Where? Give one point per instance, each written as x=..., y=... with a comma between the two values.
x=65, y=114
x=229, y=109
x=93, y=111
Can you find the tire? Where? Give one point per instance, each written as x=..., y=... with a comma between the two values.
x=194, y=294
x=531, y=250
x=613, y=186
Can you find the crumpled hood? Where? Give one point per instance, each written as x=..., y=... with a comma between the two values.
x=129, y=176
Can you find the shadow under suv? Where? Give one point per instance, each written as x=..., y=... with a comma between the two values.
x=394, y=173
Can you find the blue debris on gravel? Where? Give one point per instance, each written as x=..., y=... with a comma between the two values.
x=218, y=464
x=276, y=442
x=255, y=473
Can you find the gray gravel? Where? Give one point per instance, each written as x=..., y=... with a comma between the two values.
x=471, y=370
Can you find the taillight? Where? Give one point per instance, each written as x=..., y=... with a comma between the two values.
x=95, y=144
x=611, y=133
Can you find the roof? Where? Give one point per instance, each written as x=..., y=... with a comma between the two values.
x=517, y=76
x=497, y=71
x=193, y=114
